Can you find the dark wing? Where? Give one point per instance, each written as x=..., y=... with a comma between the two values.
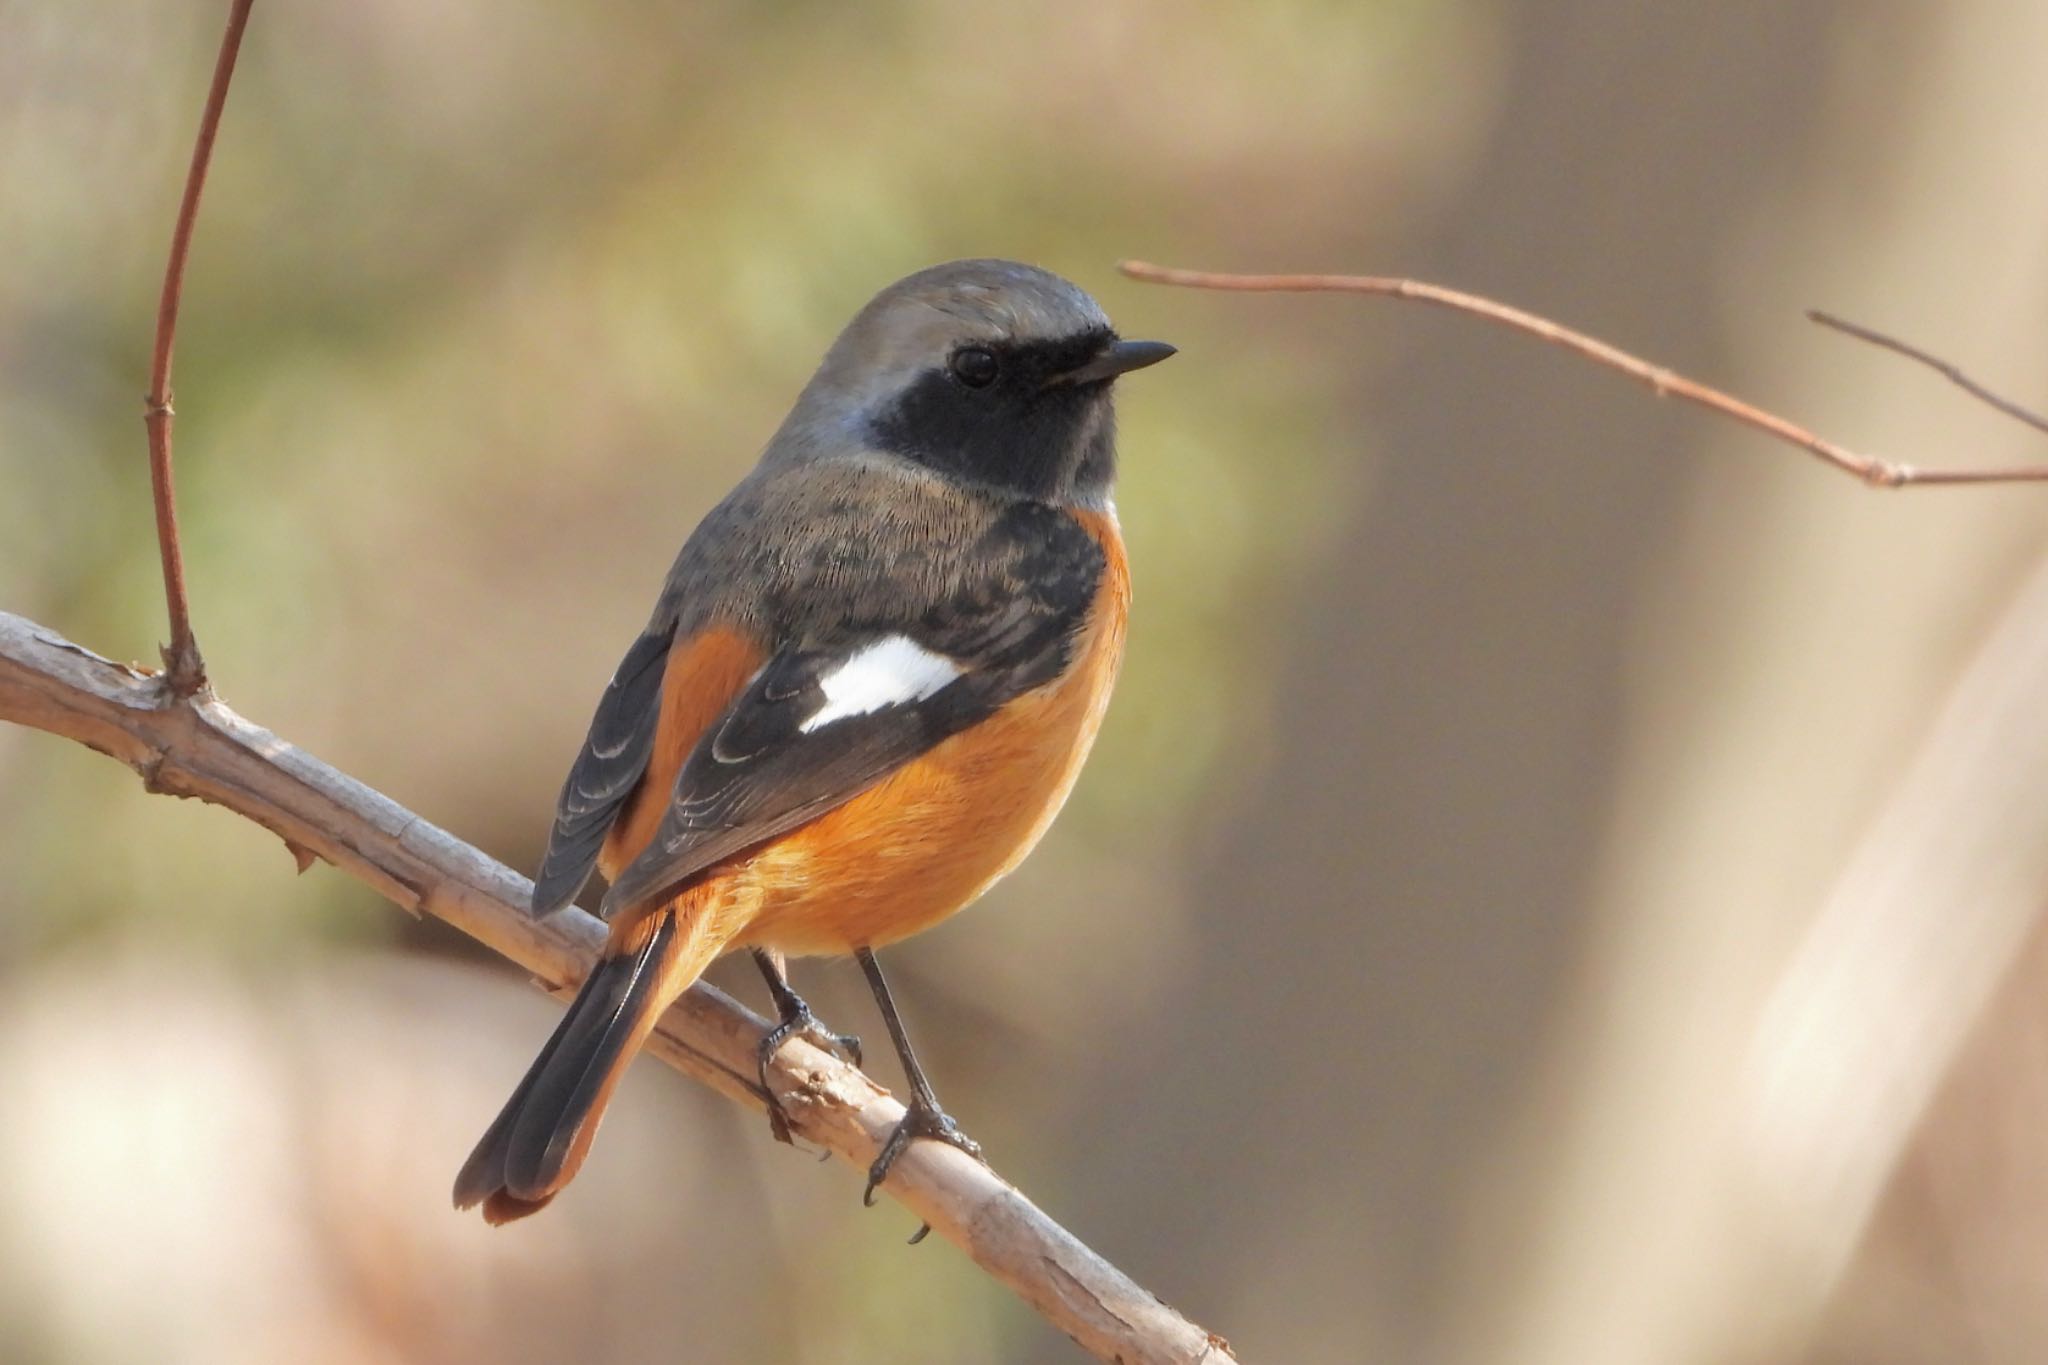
x=613, y=757
x=824, y=722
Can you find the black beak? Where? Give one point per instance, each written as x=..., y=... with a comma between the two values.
x=1120, y=357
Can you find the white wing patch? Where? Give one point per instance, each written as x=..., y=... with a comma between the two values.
x=889, y=672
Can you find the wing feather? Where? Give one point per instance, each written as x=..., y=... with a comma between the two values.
x=612, y=760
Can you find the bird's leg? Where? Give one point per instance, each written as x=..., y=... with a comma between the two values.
x=924, y=1119
x=796, y=1018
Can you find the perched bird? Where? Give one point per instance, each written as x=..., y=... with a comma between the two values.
x=868, y=686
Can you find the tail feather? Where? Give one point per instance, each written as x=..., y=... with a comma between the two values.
x=537, y=1142
x=482, y=1177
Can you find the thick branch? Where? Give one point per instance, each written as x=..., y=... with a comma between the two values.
x=201, y=748
x=1660, y=381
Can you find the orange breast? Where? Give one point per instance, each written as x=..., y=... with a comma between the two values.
x=933, y=836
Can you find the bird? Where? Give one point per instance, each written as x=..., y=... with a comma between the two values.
x=866, y=689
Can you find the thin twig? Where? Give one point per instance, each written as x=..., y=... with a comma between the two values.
x=1871, y=470
x=185, y=669
x=206, y=750
x=1933, y=362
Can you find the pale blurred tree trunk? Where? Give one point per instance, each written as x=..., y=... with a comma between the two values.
x=1415, y=858
x=1599, y=700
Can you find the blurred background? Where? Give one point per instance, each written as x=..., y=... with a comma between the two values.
x=1560, y=881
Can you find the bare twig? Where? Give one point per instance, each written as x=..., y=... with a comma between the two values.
x=1933, y=362
x=206, y=750
x=186, y=669
x=1871, y=470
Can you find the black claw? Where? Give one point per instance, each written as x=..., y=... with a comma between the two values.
x=778, y=1117
x=920, y=1121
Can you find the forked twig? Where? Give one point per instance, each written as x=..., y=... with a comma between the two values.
x=185, y=669
x=1871, y=470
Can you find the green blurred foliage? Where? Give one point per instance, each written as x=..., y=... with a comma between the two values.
x=489, y=303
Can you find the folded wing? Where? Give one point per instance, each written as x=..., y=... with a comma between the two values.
x=829, y=717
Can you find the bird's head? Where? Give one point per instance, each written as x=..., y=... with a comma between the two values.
x=987, y=371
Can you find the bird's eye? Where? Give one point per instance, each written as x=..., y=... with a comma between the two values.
x=975, y=367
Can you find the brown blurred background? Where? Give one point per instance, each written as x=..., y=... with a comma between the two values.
x=1560, y=880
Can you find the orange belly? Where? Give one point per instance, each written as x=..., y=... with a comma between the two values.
x=930, y=838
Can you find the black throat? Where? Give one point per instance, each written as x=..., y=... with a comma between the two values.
x=1022, y=433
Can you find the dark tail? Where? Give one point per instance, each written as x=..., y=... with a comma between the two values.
x=539, y=1139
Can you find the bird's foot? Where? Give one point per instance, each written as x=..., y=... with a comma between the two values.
x=922, y=1120
x=798, y=1021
